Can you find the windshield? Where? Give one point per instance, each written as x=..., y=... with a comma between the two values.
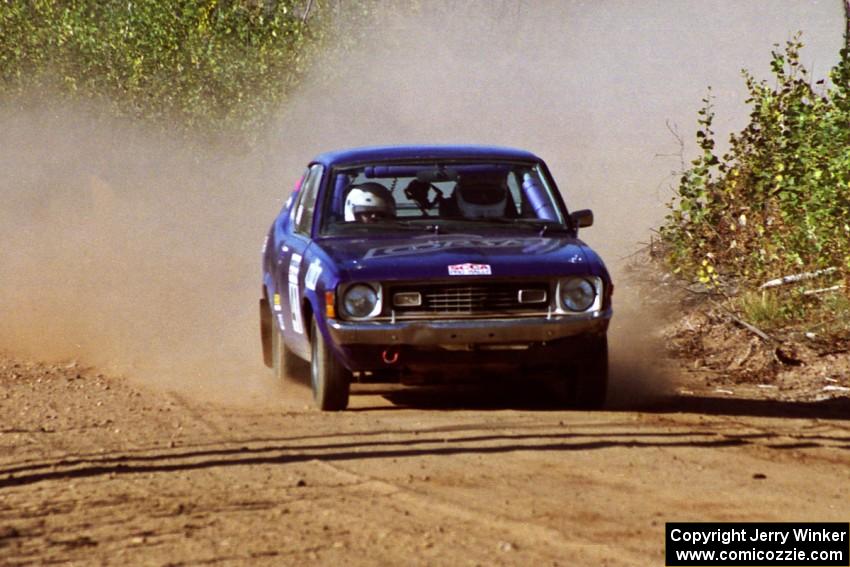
x=438, y=195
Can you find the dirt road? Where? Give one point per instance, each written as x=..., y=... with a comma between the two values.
x=101, y=470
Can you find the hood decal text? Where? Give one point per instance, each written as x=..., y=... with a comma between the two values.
x=529, y=245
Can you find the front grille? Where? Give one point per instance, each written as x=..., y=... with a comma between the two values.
x=478, y=298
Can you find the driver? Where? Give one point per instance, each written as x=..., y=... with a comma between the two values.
x=369, y=202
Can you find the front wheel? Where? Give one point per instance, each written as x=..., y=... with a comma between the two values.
x=331, y=380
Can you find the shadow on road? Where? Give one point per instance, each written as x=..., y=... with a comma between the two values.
x=833, y=408
x=284, y=452
x=537, y=397
x=560, y=436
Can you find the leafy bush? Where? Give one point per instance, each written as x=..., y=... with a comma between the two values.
x=778, y=201
x=217, y=66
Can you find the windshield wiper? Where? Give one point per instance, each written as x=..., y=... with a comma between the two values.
x=542, y=226
x=377, y=226
x=416, y=224
x=545, y=226
x=439, y=226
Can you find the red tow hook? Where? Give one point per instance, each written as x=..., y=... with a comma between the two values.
x=389, y=357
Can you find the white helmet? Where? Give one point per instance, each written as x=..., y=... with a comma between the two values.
x=369, y=201
x=481, y=199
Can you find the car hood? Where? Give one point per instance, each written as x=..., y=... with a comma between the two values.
x=429, y=256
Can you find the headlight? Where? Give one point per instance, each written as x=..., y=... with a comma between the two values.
x=360, y=301
x=578, y=294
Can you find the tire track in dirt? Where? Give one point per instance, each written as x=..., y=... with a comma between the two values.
x=209, y=425
x=519, y=534
x=242, y=453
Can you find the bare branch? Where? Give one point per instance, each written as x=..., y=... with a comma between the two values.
x=752, y=328
x=674, y=129
x=847, y=24
x=307, y=12
x=823, y=290
x=798, y=277
x=748, y=326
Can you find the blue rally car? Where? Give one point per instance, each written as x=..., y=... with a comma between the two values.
x=408, y=263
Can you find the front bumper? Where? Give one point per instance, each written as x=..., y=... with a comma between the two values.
x=428, y=332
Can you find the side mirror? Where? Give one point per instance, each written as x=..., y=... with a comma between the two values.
x=582, y=218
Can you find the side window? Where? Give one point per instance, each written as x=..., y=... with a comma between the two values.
x=307, y=201
x=292, y=202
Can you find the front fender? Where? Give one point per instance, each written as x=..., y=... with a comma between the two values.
x=321, y=276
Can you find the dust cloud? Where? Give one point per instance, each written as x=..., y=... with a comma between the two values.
x=123, y=249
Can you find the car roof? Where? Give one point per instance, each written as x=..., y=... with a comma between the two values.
x=396, y=153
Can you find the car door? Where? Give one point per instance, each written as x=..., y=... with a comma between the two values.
x=291, y=264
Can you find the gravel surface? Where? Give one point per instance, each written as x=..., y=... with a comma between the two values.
x=97, y=469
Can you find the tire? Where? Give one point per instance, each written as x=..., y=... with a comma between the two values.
x=266, y=329
x=278, y=357
x=331, y=381
x=286, y=364
x=591, y=378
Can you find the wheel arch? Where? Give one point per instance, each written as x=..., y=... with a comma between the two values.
x=307, y=316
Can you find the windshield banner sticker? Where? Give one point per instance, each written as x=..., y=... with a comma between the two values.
x=470, y=270
x=529, y=246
